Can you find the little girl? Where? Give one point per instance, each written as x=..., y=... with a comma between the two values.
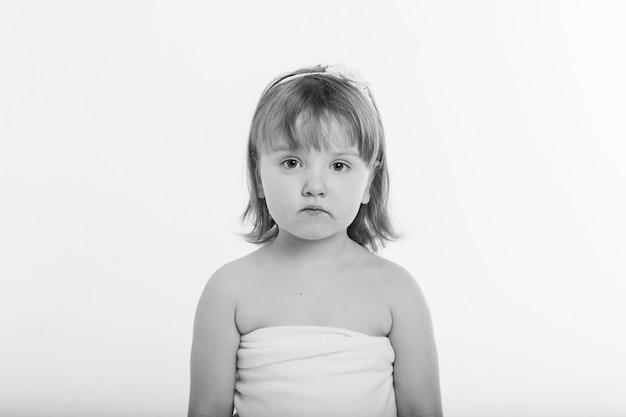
x=313, y=323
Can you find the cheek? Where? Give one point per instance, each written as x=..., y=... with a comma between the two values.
x=276, y=194
x=351, y=194
x=275, y=198
x=354, y=186
x=272, y=183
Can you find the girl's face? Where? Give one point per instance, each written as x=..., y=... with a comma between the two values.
x=315, y=194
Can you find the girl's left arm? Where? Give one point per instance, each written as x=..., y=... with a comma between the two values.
x=416, y=369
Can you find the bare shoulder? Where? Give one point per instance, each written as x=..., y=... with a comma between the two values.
x=395, y=273
x=403, y=293
x=222, y=282
x=398, y=281
x=227, y=281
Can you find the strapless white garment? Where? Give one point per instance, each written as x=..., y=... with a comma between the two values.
x=314, y=371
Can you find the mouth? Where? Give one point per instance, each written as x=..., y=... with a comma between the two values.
x=311, y=209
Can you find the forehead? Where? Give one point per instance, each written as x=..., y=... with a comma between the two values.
x=309, y=131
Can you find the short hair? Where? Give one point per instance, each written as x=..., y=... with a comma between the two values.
x=295, y=107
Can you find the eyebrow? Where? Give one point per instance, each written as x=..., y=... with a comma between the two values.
x=347, y=152
x=350, y=152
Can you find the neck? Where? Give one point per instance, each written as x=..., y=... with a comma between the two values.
x=310, y=253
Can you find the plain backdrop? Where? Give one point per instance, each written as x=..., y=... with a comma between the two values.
x=122, y=138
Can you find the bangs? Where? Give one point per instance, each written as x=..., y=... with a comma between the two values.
x=321, y=131
x=307, y=115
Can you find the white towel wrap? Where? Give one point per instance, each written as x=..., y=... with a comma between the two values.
x=302, y=371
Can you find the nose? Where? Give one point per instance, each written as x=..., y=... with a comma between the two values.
x=314, y=185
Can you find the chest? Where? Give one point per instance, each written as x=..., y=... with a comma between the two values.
x=333, y=300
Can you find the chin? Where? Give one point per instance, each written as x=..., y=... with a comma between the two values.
x=313, y=235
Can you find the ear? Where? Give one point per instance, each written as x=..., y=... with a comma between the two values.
x=366, y=194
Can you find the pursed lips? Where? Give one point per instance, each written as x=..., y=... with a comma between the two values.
x=314, y=209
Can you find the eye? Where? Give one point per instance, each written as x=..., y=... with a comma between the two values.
x=291, y=163
x=340, y=166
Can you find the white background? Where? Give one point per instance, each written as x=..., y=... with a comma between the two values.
x=122, y=135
